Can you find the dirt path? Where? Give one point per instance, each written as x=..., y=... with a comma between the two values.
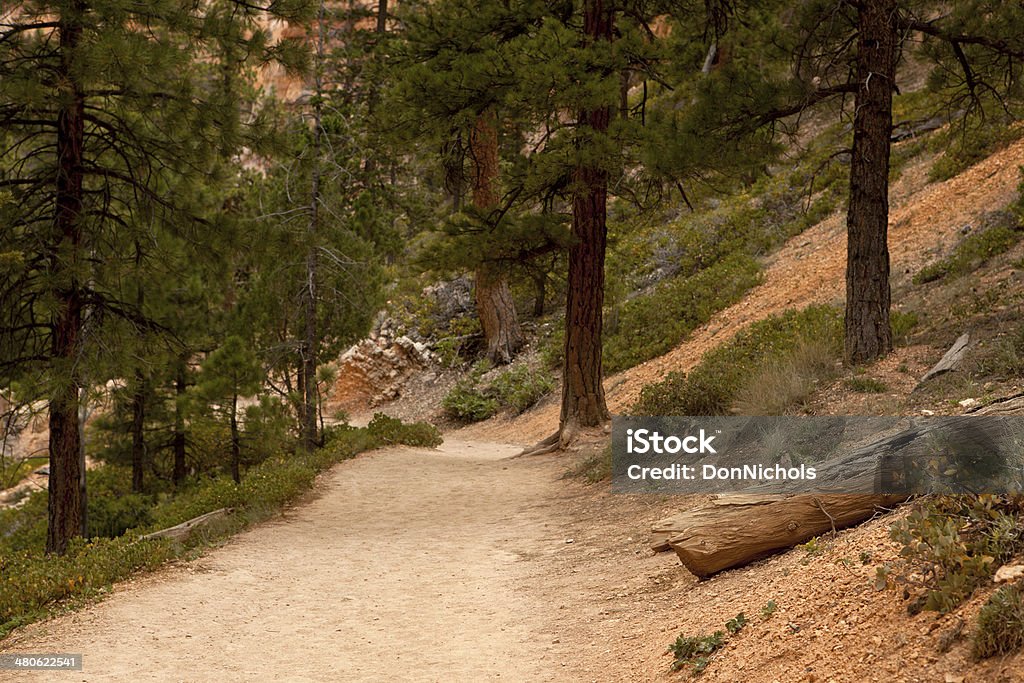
x=409, y=565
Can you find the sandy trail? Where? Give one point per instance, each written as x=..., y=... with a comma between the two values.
x=405, y=567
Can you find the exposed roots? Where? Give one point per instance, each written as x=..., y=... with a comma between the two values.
x=559, y=441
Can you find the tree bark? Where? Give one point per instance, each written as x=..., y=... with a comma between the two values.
x=179, y=441
x=868, y=334
x=236, y=443
x=64, y=511
x=494, y=304
x=311, y=340
x=583, y=400
x=138, y=431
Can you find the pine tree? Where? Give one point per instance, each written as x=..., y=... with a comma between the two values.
x=229, y=374
x=102, y=104
x=854, y=48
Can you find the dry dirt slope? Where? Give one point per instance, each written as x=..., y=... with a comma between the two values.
x=810, y=268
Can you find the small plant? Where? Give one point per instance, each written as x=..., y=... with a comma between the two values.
x=468, y=403
x=813, y=547
x=867, y=385
x=389, y=430
x=769, y=609
x=902, y=324
x=1000, y=623
x=693, y=650
x=595, y=467
x=736, y=624
x=865, y=557
x=789, y=381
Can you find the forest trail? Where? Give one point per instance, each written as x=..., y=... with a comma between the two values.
x=409, y=564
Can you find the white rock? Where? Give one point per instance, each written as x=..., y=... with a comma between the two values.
x=1009, y=572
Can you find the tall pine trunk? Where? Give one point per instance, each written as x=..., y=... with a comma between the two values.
x=138, y=406
x=138, y=431
x=583, y=400
x=65, y=496
x=310, y=339
x=494, y=304
x=179, y=441
x=236, y=443
x=868, y=334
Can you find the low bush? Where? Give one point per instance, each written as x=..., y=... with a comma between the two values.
x=972, y=251
x=651, y=324
x=966, y=145
x=788, y=381
x=902, y=324
x=518, y=389
x=867, y=385
x=952, y=544
x=595, y=467
x=724, y=372
x=1000, y=628
x=32, y=583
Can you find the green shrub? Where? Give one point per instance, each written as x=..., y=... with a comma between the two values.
x=954, y=543
x=468, y=403
x=902, y=324
x=972, y=251
x=521, y=388
x=389, y=430
x=652, y=324
x=694, y=650
x=968, y=145
x=595, y=467
x=716, y=382
x=517, y=388
x=788, y=381
x=1000, y=623
x=867, y=385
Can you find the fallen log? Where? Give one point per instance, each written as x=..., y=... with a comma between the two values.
x=950, y=360
x=734, y=530
x=1009, y=405
x=182, y=531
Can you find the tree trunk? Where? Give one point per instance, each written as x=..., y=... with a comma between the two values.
x=540, y=284
x=310, y=339
x=65, y=496
x=868, y=334
x=583, y=401
x=494, y=304
x=138, y=434
x=236, y=444
x=179, y=441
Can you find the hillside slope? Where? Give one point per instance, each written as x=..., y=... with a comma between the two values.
x=810, y=268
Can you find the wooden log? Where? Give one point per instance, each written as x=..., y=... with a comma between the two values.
x=951, y=359
x=1009, y=405
x=182, y=531
x=732, y=531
